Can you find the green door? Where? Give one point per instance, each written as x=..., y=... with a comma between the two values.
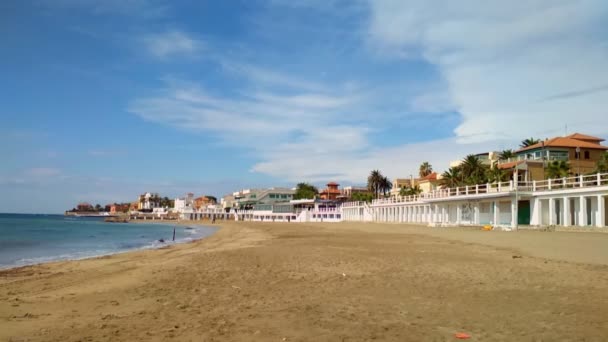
x=523, y=212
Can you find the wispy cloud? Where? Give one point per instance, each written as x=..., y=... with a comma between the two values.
x=576, y=93
x=500, y=60
x=172, y=43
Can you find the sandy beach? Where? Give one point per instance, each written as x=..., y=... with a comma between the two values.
x=321, y=282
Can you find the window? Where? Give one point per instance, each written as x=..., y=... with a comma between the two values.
x=271, y=195
x=338, y=216
x=586, y=154
x=331, y=216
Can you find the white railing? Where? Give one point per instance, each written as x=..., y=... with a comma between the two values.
x=583, y=181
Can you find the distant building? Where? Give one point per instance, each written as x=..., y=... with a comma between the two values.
x=581, y=151
x=148, y=201
x=247, y=198
x=399, y=183
x=331, y=192
x=348, y=191
x=202, y=201
x=429, y=183
x=84, y=206
x=486, y=158
x=183, y=204
x=119, y=208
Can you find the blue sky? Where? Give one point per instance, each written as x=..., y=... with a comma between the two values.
x=103, y=100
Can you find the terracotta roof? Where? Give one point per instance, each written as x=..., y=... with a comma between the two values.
x=565, y=142
x=579, y=136
x=332, y=184
x=511, y=164
x=430, y=177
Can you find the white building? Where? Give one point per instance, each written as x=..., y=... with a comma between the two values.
x=573, y=201
x=183, y=204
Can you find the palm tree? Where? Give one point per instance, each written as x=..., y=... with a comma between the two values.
x=529, y=142
x=452, y=177
x=506, y=154
x=385, y=185
x=425, y=169
x=473, y=170
x=557, y=169
x=496, y=175
x=373, y=182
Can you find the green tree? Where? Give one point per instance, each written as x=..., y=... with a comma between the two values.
x=529, y=142
x=98, y=207
x=506, y=154
x=452, y=177
x=425, y=169
x=305, y=191
x=373, y=182
x=385, y=185
x=410, y=191
x=473, y=170
x=212, y=198
x=362, y=197
x=557, y=169
x=602, y=164
x=496, y=175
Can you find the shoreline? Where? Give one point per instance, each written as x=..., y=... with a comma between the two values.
x=274, y=281
x=151, y=246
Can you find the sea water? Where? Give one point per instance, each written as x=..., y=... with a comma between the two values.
x=33, y=239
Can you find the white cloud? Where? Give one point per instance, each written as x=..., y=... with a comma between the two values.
x=507, y=63
x=172, y=43
x=303, y=135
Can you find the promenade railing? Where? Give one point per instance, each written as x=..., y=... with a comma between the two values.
x=582, y=181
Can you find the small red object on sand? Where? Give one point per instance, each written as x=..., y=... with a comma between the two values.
x=462, y=336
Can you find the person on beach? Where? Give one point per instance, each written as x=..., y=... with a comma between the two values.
x=213, y=219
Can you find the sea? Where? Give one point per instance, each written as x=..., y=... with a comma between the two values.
x=34, y=239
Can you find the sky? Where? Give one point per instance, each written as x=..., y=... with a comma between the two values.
x=103, y=100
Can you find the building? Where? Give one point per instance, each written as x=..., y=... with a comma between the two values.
x=303, y=210
x=119, y=208
x=486, y=158
x=331, y=192
x=247, y=198
x=399, y=183
x=148, y=201
x=201, y=202
x=84, y=206
x=429, y=183
x=348, y=191
x=581, y=151
x=580, y=201
x=183, y=204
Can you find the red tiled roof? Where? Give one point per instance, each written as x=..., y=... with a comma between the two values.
x=579, y=136
x=430, y=177
x=510, y=165
x=565, y=142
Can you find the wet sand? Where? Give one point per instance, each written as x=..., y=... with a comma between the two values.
x=321, y=282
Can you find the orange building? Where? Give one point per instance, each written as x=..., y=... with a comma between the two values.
x=331, y=192
x=202, y=201
x=119, y=208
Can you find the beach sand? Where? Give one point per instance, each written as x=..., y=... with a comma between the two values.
x=322, y=282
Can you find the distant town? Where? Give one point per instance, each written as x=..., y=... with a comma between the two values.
x=557, y=181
